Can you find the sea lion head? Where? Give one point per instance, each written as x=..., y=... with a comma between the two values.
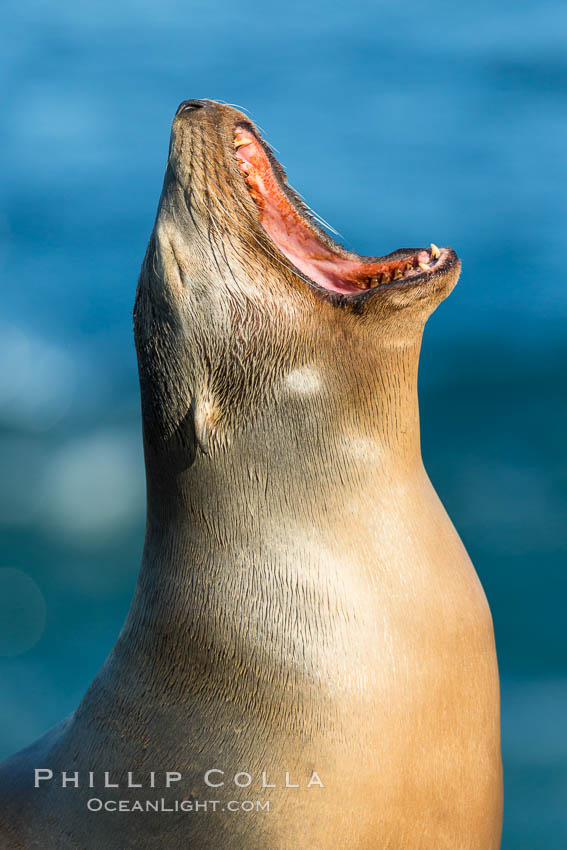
x=245, y=303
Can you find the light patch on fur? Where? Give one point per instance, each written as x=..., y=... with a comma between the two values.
x=305, y=381
x=362, y=449
x=329, y=599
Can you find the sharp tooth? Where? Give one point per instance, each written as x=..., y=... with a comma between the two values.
x=239, y=142
x=424, y=266
x=409, y=267
x=435, y=252
x=385, y=278
x=397, y=274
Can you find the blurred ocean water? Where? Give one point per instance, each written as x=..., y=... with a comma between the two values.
x=400, y=124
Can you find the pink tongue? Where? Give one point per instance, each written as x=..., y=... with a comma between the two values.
x=305, y=251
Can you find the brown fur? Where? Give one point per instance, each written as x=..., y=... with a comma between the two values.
x=304, y=602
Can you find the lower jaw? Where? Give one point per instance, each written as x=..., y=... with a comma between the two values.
x=350, y=276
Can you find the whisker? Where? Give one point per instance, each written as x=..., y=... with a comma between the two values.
x=236, y=106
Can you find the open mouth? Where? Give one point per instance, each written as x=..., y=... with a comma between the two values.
x=306, y=246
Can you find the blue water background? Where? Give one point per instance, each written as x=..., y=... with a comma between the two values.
x=400, y=123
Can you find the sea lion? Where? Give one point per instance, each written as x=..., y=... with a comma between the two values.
x=307, y=629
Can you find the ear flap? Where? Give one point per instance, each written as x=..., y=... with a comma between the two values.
x=210, y=429
x=201, y=425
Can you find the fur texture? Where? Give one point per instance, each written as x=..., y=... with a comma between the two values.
x=304, y=603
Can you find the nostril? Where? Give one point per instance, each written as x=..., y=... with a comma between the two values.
x=189, y=105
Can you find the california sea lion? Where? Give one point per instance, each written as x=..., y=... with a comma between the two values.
x=306, y=616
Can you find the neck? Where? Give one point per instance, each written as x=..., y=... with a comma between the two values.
x=239, y=541
x=325, y=441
